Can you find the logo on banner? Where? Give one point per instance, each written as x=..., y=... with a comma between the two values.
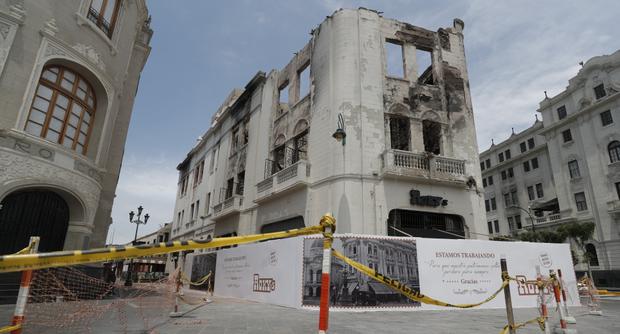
x=263, y=284
x=529, y=288
x=545, y=260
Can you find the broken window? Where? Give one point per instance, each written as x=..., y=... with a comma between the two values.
x=424, y=60
x=240, y=183
x=282, y=99
x=431, y=131
x=561, y=112
x=599, y=91
x=229, y=188
x=400, y=133
x=235, y=141
x=300, y=147
x=304, y=81
x=278, y=158
x=394, y=59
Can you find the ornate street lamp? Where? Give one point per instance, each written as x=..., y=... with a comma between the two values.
x=137, y=221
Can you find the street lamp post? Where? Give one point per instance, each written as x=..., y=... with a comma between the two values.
x=137, y=221
x=529, y=213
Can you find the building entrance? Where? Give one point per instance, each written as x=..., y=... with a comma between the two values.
x=33, y=213
x=425, y=224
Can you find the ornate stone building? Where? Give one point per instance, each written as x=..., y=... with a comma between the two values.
x=69, y=73
x=565, y=168
x=408, y=163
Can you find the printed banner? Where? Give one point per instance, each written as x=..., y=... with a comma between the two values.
x=464, y=271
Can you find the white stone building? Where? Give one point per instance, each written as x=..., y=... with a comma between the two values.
x=409, y=160
x=577, y=178
x=69, y=73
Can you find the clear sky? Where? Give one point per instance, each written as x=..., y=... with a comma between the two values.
x=203, y=49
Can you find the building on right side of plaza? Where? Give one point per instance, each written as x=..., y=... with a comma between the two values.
x=565, y=168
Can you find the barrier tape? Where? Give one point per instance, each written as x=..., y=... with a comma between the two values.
x=409, y=292
x=8, y=329
x=201, y=281
x=10, y=263
x=539, y=320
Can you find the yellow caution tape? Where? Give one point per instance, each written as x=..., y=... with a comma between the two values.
x=539, y=320
x=9, y=263
x=201, y=281
x=8, y=329
x=409, y=292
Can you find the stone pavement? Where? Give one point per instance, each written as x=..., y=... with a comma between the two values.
x=227, y=315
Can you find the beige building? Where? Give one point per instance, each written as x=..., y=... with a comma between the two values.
x=565, y=168
x=408, y=163
x=69, y=73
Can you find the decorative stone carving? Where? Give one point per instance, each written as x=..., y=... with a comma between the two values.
x=52, y=50
x=86, y=169
x=90, y=53
x=23, y=146
x=4, y=30
x=50, y=27
x=17, y=11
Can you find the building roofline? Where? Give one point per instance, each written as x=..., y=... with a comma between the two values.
x=538, y=124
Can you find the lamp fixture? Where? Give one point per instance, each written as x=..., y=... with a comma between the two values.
x=340, y=134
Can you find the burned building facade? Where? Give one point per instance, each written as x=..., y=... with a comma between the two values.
x=384, y=140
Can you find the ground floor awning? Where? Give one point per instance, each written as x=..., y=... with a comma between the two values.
x=381, y=289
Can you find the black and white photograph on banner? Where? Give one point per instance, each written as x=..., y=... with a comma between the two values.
x=202, y=265
x=393, y=257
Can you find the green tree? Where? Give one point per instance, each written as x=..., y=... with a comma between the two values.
x=580, y=234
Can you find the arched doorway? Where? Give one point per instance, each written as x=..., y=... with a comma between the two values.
x=29, y=213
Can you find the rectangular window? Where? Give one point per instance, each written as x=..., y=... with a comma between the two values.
x=511, y=172
x=230, y=184
x=103, y=13
x=487, y=205
x=507, y=202
x=503, y=175
x=539, y=190
x=490, y=178
x=511, y=224
x=599, y=91
x=399, y=133
x=208, y=202
x=179, y=218
x=618, y=189
x=523, y=147
x=191, y=212
x=490, y=224
x=484, y=182
x=500, y=157
x=507, y=154
x=562, y=112
x=530, y=193
x=303, y=77
x=573, y=169
x=567, y=136
x=515, y=197
x=496, y=223
x=580, y=201
x=518, y=222
x=240, y=183
x=493, y=204
x=535, y=163
x=482, y=165
x=530, y=143
x=424, y=61
x=394, y=59
x=606, y=118
x=487, y=163
x=526, y=166
x=197, y=215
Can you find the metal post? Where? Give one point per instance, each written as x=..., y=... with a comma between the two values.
x=570, y=319
x=324, y=303
x=544, y=313
x=24, y=288
x=507, y=298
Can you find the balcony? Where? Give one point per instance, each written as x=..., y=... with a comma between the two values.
x=550, y=219
x=289, y=178
x=227, y=207
x=422, y=166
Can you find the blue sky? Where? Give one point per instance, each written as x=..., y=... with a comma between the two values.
x=203, y=49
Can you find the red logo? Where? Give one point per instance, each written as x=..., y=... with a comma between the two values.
x=529, y=288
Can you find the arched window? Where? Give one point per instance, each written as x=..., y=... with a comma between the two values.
x=614, y=151
x=63, y=108
x=591, y=253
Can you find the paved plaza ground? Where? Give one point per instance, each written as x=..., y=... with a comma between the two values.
x=227, y=315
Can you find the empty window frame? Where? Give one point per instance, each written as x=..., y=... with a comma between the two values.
x=395, y=64
x=424, y=62
x=606, y=118
x=580, y=201
x=103, y=14
x=283, y=97
x=573, y=169
x=567, y=135
x=431, y=131
x=561, y=112
x=400, y=133
x=599, y=91
x=614, y=151
x=303, y=77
